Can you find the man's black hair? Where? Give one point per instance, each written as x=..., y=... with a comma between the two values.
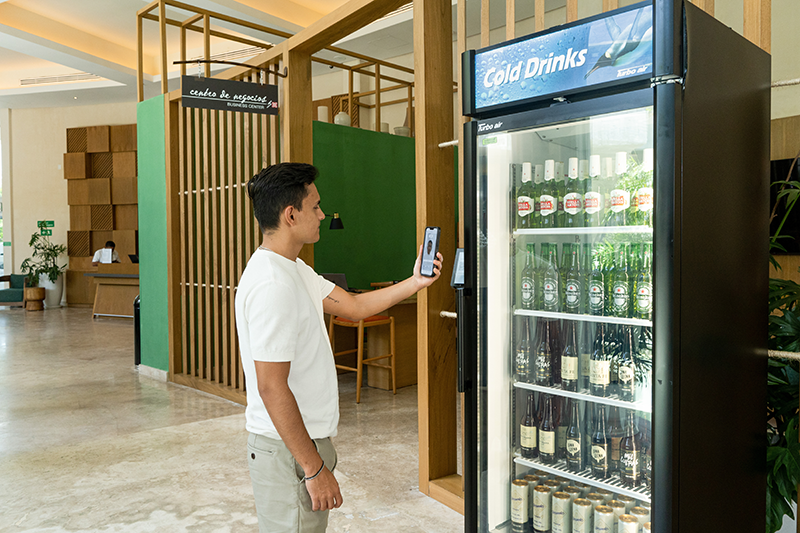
x=277, y=187
x=110, y=244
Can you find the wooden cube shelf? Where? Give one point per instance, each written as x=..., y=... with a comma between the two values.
x=97, y=139
x=124, y=191
x=77, y=166
x=123, y=138
x=78, y=244
x=124, y=164
x=99, y=191
x=126, y=217
x=80, y=217
x=78, y=192
x=102, y=217
x=76, y=139
x=102, y=165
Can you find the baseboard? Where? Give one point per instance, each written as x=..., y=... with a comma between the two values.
x=153, y=373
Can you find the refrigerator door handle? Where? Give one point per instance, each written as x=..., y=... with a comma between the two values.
x=460, y=339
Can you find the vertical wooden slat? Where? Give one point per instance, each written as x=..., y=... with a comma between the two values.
x=184, y=243
x=757, y=20
x=194, y=246
x=608, y=5
x=139, y=60
x=162, y=33
x=572, y=10
x=224, y=249
x=350, y=97
x=230, y=243
x=410, y=112
x=538, y=15
x=511, y=19
x=206, y=248
x=213, y=196
x=377, y=97
x=183, y=50
x=485, y=26
x=207, y=42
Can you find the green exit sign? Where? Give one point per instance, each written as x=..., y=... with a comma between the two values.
x=46, y=232
x=46, y=224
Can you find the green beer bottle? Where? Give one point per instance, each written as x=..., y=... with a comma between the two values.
x=620, y=290
x=573, y=197
x=596, y=288
x=525, y=199
x=548, y=200
x=551, y=282
x=573, y=283
x=643, y=288
x=527, y=281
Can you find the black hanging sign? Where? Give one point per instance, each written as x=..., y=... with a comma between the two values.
x=229, y=95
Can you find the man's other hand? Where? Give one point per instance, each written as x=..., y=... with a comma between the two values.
x=324, y=491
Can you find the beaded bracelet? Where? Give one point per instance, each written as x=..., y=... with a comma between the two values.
x=309, y=478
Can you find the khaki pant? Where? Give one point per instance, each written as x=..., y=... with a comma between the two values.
x=282, y=500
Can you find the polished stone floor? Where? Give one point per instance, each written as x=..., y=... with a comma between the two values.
x=89, y=444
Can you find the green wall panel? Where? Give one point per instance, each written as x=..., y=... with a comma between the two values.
x=369, y=179
x=153, y=233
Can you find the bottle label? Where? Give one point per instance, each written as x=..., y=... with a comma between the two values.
x=547, y=442
x=524, y=206
x=569, y=368
x=519, y=504
x=630, y=464
x=573, y=203
x=620, y=200
x=527, y=292
x=572, y=294
x=644, y=298
x=541, y=511
x=547, y=205
x=527, y=437
x=550, y=293
x=592, y=202
x=573, y=446
x=596, y=297
x=644, y=199
x=523, y=363
x=620, y=300
x=600, y=372
x=585, y=359
x=625, y=374
x=615, y=442
x=543, y=366
x=598, y=453
x=561, y=437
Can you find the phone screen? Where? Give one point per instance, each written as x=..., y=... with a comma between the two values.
x=430, y=246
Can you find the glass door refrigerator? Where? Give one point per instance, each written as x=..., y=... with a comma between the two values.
x=613, y=319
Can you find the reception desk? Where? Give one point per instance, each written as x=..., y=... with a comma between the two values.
x=405, y=345
x=117, y=287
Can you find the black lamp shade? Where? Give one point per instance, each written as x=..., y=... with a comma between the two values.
x=336, y=222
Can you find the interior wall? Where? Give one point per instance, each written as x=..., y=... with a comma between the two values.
x=37, y=189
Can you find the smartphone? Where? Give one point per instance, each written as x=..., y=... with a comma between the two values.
x=430, y=247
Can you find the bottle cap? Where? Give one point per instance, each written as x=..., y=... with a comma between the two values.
x=549, y=169
x=573, y=167
x=526, y=172
x=622, y=163
x=538, y=171
x=583, y=168
x=559, y=170
x=608, y=167
x=594, y=166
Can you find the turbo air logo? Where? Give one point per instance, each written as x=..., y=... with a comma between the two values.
x=535, y=67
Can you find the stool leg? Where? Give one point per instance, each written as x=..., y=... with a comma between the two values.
x=391, y=346
x=360, y=363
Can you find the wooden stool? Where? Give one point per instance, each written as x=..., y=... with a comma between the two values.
x=375, y=320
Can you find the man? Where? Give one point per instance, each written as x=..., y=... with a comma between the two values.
x=106, y=254
x=292, y=390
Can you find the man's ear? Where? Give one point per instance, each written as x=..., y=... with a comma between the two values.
x=288, y=215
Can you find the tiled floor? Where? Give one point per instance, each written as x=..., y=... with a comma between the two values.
x=87, y=444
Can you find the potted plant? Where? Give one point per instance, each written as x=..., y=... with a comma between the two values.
x=42, y=268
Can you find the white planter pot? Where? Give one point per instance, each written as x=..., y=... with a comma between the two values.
x=53, y=291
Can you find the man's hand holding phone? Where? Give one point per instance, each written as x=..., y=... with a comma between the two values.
x=426, y=281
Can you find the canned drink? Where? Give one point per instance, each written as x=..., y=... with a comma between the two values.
x=641, y=514
x=646, y=527
x=629, y=502
x=554, y=484
x=604, y=519
x=619, y=510
x=542, y=508
x=532, y=482
x=542, y=474
x=519, y=501
x=607, y=494
x=564, y=481
x=628, y=524
x=562, y=513
x=596, y=499
x=582, y=516
x=585, y=489
x=573, y=491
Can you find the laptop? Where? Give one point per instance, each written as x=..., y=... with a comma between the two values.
x=134, y=258
x=339, y=279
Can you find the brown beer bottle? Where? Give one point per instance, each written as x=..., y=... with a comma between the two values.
x=630, y=468
x=574, y=438
x=569, y=358
x=600, y=444
x=527, y=430
x=615, y=434
x=547, y=433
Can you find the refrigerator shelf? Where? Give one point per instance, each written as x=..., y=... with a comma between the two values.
x=613, y=484
x=644, y=406
x=585, y=318
x=596, y=230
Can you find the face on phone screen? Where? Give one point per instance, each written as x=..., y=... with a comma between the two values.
x=429, y=250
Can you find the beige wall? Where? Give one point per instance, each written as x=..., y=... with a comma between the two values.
x=37, y=188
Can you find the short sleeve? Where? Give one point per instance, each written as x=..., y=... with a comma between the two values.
x=325, y=287
x=272, y=321
x=96, y=257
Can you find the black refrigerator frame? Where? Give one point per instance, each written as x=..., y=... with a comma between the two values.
x=710, y=89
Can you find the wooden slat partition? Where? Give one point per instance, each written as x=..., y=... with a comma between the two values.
x=220, y=151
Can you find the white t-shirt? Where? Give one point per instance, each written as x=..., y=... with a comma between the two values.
x=98, y=256
x=279, y=318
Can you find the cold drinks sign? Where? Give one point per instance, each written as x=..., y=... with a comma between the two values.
x=602, y=51
x=229, y=95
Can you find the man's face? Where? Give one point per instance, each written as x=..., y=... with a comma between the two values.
x=309, y=218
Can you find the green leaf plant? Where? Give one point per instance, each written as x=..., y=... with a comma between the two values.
x=783, y=396
x=43, y=261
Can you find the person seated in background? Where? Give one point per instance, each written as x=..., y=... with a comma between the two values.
x=106, y=254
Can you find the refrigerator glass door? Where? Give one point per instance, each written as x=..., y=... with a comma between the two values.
x=565, y=319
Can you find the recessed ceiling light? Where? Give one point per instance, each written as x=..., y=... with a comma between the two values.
x=75, y=97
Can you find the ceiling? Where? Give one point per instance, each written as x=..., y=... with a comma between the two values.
x=93, y=43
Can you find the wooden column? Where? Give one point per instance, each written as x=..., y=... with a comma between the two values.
x=538, y=15
x=572, y=10
x=436, y=336
x=485, y=28
x=172, y=115
x=757, y=22
x=511, y=19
